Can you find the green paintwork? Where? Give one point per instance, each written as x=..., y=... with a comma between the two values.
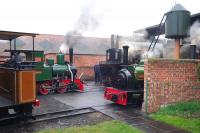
x=59, y=69
x=60, y=59
x=139, y=71
x=50, y=69
x=46, y=73
x=177, y=23
x=50, y=62
x=39, y=54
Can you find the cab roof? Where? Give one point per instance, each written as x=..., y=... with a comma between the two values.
x=10, y=35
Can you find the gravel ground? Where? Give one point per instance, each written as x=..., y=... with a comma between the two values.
x=79, y=120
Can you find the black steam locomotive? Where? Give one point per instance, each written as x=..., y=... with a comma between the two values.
x=124, y=79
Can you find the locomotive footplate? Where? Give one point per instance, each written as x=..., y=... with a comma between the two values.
x=123, y=97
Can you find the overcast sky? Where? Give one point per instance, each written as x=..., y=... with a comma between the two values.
x=107, y=16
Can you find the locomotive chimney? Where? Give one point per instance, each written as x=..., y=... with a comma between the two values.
x=193, y=54
x=71, y=55
x=125, y=55
x=117, y=42
x=112, y=41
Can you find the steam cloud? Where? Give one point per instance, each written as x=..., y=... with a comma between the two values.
x=195, y=35
x=87, y=21
x=138, y=46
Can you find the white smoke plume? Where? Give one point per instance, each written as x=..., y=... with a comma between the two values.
x=138, y=46
x=72, y=38
x=195, y=35
x=87, y=21
x=63, y=48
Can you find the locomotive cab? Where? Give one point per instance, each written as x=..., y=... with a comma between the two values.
x=114, y=55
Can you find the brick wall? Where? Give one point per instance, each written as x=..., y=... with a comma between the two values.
x=168, y=81
x=83, y=62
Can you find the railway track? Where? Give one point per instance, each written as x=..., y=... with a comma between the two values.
x=47, y=116
x=61, y=114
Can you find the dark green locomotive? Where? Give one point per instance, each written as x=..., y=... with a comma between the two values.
x=126, y=79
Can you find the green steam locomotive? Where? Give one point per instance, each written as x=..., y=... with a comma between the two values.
x=59, y=76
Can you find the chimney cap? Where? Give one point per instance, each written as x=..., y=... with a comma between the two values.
x=126, y=46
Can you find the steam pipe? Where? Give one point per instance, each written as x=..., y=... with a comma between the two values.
x=125, y=55
x=71, y=73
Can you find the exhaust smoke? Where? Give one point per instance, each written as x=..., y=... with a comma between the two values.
x=138, y=46
x=87, y=21
x=195, y=35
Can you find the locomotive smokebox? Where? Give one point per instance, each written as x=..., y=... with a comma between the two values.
x=71, y=53
x=125, y=55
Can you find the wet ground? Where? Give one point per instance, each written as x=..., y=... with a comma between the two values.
x=92, y=97
x=78, y=120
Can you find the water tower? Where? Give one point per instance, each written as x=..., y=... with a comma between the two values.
x=177, y=25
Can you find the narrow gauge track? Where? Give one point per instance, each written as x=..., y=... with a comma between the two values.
x=61, y=114
x=48, y=116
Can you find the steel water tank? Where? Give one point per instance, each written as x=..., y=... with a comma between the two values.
x=177, y=22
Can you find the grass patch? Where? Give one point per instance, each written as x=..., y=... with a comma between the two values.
x=183, y=115
x=184, y=109
x=105, y=127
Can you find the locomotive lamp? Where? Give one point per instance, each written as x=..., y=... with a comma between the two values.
x=177, y=26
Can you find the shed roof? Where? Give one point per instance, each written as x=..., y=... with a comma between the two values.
x=10, y=35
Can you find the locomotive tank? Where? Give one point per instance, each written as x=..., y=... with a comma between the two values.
x=59, y=69
x=139, y=71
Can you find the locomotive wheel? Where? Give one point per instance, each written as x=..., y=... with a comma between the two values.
x=43, y=88
x=61, y=90
x=43, y=91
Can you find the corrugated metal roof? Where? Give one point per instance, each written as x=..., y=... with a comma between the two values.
x=10, y=35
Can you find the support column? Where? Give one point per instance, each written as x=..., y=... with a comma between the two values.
x=177, y=49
